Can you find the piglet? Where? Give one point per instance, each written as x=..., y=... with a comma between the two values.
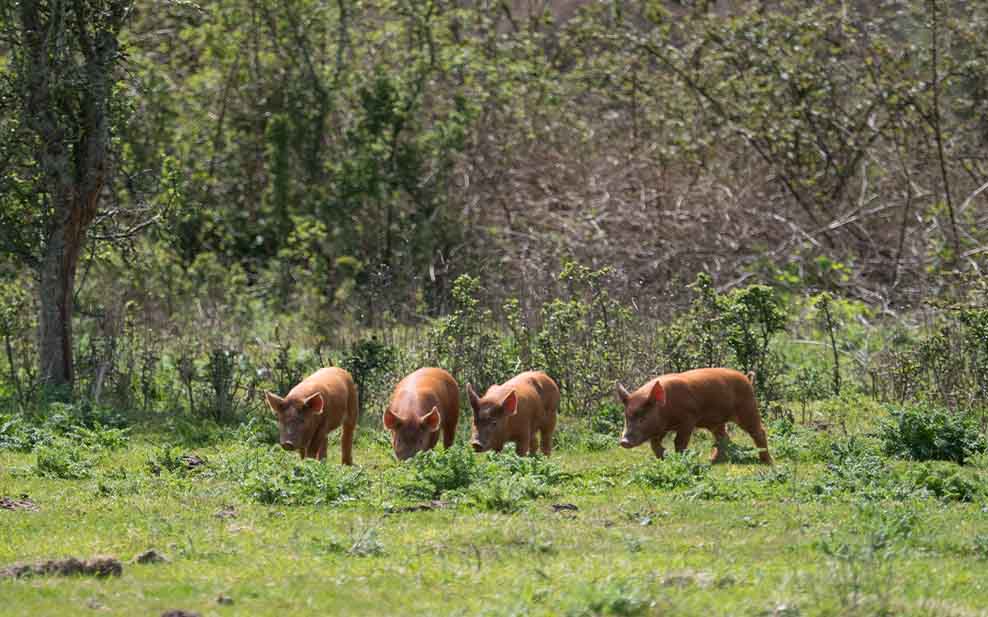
x=706, y=398
x=320, y=403
x=516, y=411
x=422, y=403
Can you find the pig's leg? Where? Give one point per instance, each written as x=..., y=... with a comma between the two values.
x=720, y=443
x=546, y=439
x=311, y=449
x=683, y=435
x=316, y=448
x=346, y=442
x=449, y=433
x=757, y=433
x=547, y=429
x=521, y=446
x=533, y=443
x=656, y=443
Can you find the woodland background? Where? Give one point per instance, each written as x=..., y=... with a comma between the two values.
x=602, y=189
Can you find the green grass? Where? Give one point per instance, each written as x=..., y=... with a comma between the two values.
x=740, y=539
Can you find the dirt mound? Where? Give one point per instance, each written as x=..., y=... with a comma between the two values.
x=419, y=507
x=191, y=461
x=150, y=556
x=24, y=503
x=226, y=512
x=101, y=566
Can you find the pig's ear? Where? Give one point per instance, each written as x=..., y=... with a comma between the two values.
x=658, y=393
x=431, y=420
x=390, y=420
x=275, y=402
x=314, y=403
x=474, y=399
x=622, y=393
x=510, y=404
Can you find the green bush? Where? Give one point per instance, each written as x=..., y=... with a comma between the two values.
x=794, y=442
x=537, y=466
x=497, y=481
x=24, y=433
x=927, y=433
x=19, y=435
x=731, y=329
x=467, y=341
x=435, y=472
x=945, y=481
x=371, y=363
x=506, y=493
x=608, y=419
x=276, y=477
x=854, y=466
x=99, y=437
x=64, y=459
x=677, y=470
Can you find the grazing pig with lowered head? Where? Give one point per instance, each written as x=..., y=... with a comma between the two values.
x=319, y=404
x=515, y=411
x=706, y=398
x=421, y=404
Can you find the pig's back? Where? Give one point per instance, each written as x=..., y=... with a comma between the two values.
x=538, y=394
x=334, y=383
x=432, y=386
x=717, y=393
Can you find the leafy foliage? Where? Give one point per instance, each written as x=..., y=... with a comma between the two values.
x=435, y=472
x=275, y=477
x=64, y=459
x=925, y=432
x=675, y=470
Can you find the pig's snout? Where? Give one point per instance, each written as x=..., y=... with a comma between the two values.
x=287, y=445
x=626, y=443
x=477, y=446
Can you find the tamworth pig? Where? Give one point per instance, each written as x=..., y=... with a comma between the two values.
x=319, y=404
x=515, y=411
x=703, y=398
x=420, y=405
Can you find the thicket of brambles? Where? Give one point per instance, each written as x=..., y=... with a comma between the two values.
x=600, y=190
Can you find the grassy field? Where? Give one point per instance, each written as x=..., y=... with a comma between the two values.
x=834, y=528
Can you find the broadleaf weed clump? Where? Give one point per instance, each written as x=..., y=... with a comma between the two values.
x=865, y=551
x=927, y=433
x=435, y=472
x=498, y=481
x=676, y=470
x=74, y=453
x=64, y=459
x=275, y=477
